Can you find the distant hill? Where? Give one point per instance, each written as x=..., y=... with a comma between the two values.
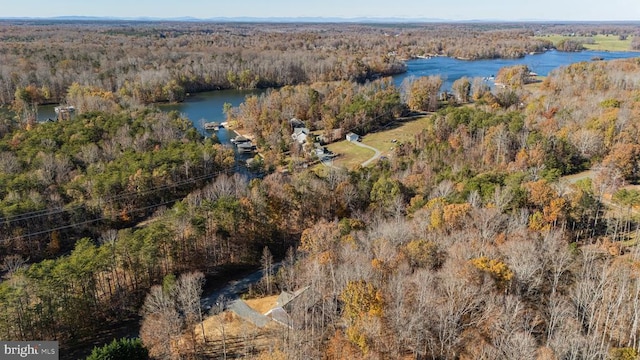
x=238, y=19
x=312, y=19
x=303, y=19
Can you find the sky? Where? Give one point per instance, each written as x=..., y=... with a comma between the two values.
x=573, y=10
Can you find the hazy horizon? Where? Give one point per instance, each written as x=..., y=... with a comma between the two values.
x=463, y=10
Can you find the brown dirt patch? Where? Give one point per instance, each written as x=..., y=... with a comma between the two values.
x=242, y=338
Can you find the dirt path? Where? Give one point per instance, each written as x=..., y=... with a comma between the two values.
x=572, y=179
x=605, y=199
x=373, y=158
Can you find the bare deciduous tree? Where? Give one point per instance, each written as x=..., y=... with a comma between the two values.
x=161, y=324
x=267, y=268
x=188, y=294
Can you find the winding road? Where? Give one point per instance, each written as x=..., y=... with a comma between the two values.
x=234, y=288
x=373, y=158
x=327, y=161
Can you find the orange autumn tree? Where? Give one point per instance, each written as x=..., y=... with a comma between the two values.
x=549, y=207
x=624, y=158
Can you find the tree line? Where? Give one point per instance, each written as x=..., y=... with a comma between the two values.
x=155, y=62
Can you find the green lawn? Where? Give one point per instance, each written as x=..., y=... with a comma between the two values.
x=399, y=131
x=600, y=42
x=351, y=155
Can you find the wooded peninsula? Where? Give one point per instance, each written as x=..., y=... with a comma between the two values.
x=505, y=227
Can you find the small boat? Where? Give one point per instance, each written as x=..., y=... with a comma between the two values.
x=64, y=109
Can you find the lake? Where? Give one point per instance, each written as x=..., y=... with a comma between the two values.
x=199, y=108
x=207, y=106
x=452, y=69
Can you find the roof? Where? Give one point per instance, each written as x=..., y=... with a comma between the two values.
x=245, y=146
x=239, y=139
x=300, y=135
x=301, y=130
x=246, y=312
x=301, y=138
x=286, y=297
x=279, y=315
x=296, y=123
x=354, y=136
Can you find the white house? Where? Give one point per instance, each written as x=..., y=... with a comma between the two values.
x=353, y=137
x=300, y=135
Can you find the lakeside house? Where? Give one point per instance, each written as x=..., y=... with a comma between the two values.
x=239, y=140
x=281, y=312
x=296, y=123
x=245, y=147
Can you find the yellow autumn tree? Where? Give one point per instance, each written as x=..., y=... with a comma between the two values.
x=454, y=214
x=423, y=253
x=537, y=222
x=88, y=98
x=540, y=192
x=513, y=77
x=497, y=269
x=555, y=210
x=436, y=217
x=362, y=302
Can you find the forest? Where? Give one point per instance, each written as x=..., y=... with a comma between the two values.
x=154, y=62
x=506, y=229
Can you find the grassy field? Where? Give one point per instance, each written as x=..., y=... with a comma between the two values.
x=399, y=131
x=600, y=42
x=351, y=155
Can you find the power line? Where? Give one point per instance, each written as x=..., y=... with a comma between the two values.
x=122, y=196
x=131, y=195
x=90, y=221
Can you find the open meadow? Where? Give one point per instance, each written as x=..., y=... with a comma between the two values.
x=596, y=42
x=385, y=140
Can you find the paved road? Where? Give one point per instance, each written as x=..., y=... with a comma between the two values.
x=234, y=288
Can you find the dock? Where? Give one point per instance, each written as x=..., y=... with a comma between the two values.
x=212, y=126
x=245, y=147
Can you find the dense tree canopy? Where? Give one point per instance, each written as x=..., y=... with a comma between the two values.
x=465, y=243
x=96, y=171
